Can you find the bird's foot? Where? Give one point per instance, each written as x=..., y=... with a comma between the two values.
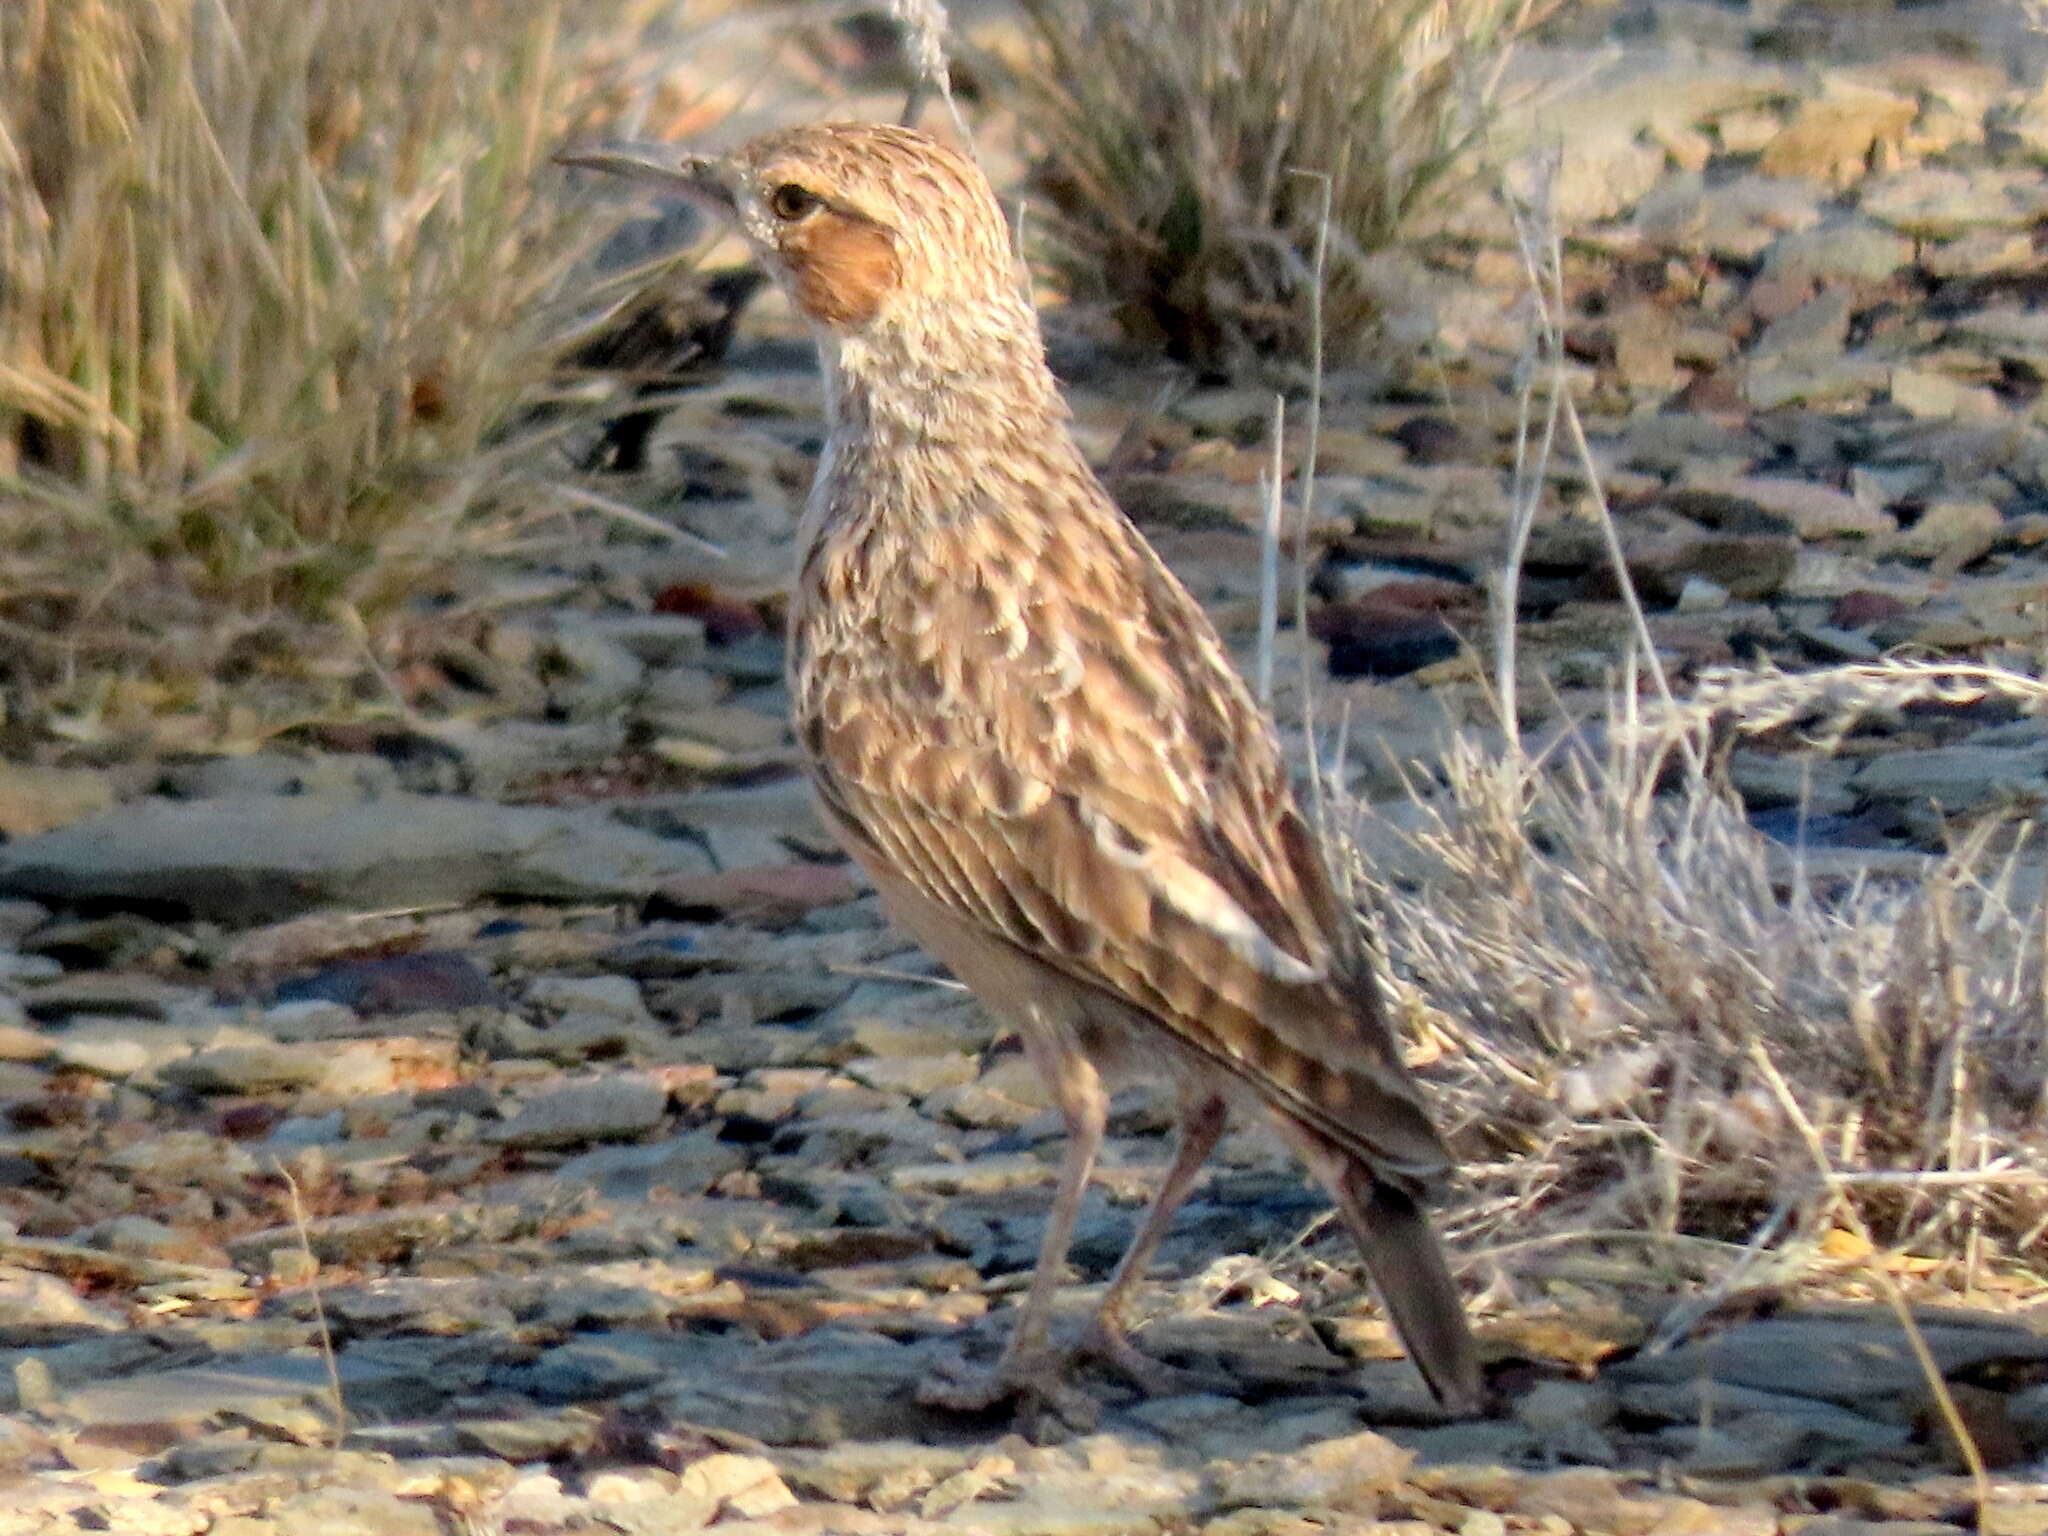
x=1034, y=1381
x=1110, y=1347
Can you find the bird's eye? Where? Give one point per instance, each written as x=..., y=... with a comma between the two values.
x=790, y=202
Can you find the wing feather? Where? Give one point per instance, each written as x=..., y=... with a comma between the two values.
x=1083, y=776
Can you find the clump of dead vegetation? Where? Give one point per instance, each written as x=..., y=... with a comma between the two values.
x=1622, y=973
x=1175, y=135
x=1652, y=1022
x=271, y=276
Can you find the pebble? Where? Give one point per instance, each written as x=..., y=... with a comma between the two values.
x=611, y=1108
x=1812, y=511
x=259, y=859
x=614, y=997
x=1959, y=778
x=1941, y=203
x=258, y=1068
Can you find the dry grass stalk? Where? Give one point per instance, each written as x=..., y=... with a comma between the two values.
x=1888, y=1287
x=336, y=1401
x=1615, y=964
x=1272, y=482
x=1599, y=962
x=1172, y=131
x=925, y=25
x=1608, y=964
x=1544, y=372
x=270, y=273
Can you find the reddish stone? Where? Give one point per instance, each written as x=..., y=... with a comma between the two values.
x=249, y=1122
x=1862, y=608
x=1369, y=638
x=726, y=619
x=763, y=894
x=1428, y=594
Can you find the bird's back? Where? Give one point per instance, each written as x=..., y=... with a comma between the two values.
x=1007, y=697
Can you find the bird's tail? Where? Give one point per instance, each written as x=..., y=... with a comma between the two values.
x=1407, y=1267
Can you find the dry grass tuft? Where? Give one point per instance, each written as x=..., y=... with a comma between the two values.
x=270, y=274
x=1653, y=1021
x=1175, y=132
x=1602, y=964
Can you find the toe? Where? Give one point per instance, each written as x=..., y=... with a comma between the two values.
x=1035, y=1386
x=1112, y=1349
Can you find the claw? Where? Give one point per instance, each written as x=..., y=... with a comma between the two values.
x=1110, y=1347
x=1035, y=1383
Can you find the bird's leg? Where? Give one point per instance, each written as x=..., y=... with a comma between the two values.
x=1201, y=1126
x=1028, y=1368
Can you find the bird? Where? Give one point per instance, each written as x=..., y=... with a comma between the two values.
x=1029, y=735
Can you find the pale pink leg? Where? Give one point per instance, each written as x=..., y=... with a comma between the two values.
x=1028, y=1367
x=1200, y=1127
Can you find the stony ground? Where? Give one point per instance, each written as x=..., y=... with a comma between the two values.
x=510, y=1116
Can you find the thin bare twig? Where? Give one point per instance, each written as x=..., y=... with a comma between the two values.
x=1845, y=1209
x=327, y=1355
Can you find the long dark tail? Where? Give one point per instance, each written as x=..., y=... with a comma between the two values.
x=1407, y=1266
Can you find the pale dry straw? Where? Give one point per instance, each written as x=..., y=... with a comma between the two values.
x=1173, y=132
x=270, y=276
x=1624, y=985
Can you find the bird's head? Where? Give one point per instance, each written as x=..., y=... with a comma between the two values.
x=865, y=225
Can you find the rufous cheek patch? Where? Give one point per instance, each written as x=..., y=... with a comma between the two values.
x=843, y=269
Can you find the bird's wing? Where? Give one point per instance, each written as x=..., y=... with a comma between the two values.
x=1050, y=743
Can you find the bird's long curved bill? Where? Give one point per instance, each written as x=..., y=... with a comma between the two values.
x=662, y=165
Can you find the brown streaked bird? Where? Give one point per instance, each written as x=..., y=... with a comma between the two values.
x=1028, y=733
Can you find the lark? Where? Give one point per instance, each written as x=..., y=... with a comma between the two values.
x=1030, y=737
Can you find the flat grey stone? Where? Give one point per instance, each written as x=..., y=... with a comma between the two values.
x=1802, y=1425
x=854, y=1471
x=33, y=1302
x=915, y=1076
x=602, y=1109
x=603, y=1365
x=616, y=997
x=350, y=1511
x=1769, y=779
x=383, y=1236
x=1816, y=329
x=589, y=676
x=284, y=1392
x=1832, y=644
x=1845, y=249
x=115, y=1051
x=277, y=773
x=654, y=639
x=828, y=1386
x=249, y=1068
x=1865, y=1365
x=1940, y=202
x=1813, y=511
x=1956, y=778
x=258, y=860
x=109, y=994
x=741, y=827
x=532, y=1437
x=18, y=919
x=686, y=1165
x=979, y=1176
x=1737, y=219
x=2007, y=331
x=1953, y=530
x=418, y=1305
